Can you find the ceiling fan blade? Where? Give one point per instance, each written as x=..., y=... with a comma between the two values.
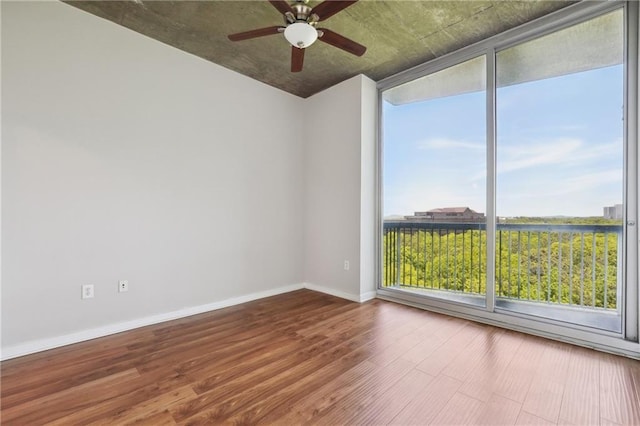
x=282, y=6
x=297, y=59
x=341, y=42
x=328, y=8
x=261, y=32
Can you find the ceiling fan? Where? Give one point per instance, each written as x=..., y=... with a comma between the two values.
x=300, y=28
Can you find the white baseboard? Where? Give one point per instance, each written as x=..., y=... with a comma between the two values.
x=368, y=296
x=341, y=294
x=80, y=336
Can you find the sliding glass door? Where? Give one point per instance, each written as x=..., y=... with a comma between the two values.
x=560, y=174
x=435, y=175
x=509, y=176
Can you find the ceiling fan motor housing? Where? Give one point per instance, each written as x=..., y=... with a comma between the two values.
x=300, y=12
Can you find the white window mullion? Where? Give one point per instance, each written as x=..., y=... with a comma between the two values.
x=491, y=180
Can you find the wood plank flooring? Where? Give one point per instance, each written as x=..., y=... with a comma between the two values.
x=309, y=358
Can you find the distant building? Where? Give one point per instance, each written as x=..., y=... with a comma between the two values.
x=448, y=214
x=613, y=212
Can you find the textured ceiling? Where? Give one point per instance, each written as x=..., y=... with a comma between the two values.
x=398, y=34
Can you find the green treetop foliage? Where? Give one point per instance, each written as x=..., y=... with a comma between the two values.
x=569, y=268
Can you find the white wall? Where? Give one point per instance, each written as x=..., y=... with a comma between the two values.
x=368, y=191
x=124, y=158
x=340, y=189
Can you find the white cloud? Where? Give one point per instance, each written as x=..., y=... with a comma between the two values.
x=560, y=151
x=586, y=182
x=526, y=155
x=547, y=195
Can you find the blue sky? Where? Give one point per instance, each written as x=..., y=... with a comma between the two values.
x=559, y=149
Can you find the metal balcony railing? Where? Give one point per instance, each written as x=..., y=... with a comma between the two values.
x=561, y=265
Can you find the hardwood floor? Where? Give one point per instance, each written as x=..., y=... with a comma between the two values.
x=305, y=357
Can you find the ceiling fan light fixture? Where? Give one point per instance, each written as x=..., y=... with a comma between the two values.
x=301, y=34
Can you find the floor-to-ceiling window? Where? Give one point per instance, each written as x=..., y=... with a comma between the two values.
x=560, y=173
x=508, y=175
x=435, y=175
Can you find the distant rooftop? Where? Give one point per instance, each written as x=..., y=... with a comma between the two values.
x=451, y=210
x=447, y=214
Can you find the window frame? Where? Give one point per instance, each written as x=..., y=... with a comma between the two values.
x=627, y=342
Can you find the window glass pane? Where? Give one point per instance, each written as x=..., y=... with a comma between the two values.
x=435, y=181
x=560, y=163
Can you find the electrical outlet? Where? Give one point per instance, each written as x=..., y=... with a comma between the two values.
x=346, y=265
x=123, y=285
x=87, y=291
